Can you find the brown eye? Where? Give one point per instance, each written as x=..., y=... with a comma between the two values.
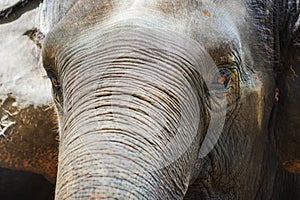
x=221, y=79
x=54, y=81
x=224, y=77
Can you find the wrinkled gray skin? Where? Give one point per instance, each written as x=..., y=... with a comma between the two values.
x=137, y=86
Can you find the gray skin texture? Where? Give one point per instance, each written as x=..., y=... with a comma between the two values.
x=134, y=84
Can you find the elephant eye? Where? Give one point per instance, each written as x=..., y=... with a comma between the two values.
x=224, y=77
x=55, y=83
x=221, y=79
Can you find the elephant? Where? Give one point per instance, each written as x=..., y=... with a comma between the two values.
x=158, y=99
x=174, y=99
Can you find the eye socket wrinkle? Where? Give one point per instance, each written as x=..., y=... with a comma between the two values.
x=232, y=60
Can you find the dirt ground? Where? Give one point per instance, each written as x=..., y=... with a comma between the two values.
x=30, y=139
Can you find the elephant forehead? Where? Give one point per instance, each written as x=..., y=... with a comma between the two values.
x=208, y=22
x=207, y=7
x=202, y=20
x=87, y=12
x=131, y=41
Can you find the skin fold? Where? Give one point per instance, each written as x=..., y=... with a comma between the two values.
x=171, y=99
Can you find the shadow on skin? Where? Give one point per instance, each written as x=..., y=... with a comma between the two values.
x=17, y=185
x=17, y=10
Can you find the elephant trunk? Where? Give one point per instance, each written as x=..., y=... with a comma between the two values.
x=130, y=116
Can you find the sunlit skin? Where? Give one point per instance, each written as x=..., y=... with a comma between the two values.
x=162, y=99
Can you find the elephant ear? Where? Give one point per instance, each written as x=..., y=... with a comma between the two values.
x=285, y=124
x=28, y=127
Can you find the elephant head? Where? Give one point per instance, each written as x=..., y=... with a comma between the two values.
x=154, y=96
